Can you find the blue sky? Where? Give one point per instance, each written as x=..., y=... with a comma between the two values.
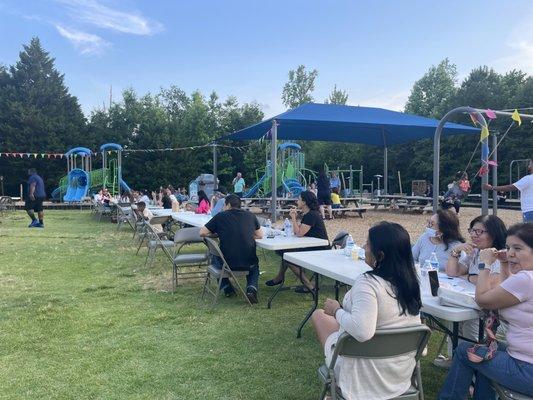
x=375, y=50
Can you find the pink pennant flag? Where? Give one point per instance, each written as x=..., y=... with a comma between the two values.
x=490, y=113
x=483, y=170
x=493, y=163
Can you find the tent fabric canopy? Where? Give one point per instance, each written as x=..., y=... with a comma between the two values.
x=349, y=124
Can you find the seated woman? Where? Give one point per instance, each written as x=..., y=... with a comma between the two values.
x=335, y=198
x=204, y=205
x=485, y=232
x=311, y=225
x=386, y=297
x=441, y=236
x=513, y=298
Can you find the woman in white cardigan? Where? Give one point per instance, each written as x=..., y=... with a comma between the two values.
x=386, y=297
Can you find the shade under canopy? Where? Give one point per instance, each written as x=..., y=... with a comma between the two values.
x=349, y=124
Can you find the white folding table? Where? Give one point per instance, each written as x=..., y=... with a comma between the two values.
x=335, y=265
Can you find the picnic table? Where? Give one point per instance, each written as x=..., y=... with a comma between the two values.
x=402, y=202
x=335, y=265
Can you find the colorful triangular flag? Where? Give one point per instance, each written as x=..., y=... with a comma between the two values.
x=484, y=133
x=490, y=113
x=516, y=117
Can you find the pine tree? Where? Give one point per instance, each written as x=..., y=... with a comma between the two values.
x=37, y=115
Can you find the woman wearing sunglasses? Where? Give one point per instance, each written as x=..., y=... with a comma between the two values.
x=485, y=232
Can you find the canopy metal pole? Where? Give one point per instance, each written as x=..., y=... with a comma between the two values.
x=215, y=166
x=495, y=173
x=385, y=164
x=273, y=163
x=385, y=171
x=436, y=158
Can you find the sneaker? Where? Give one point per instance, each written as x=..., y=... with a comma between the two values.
x=33, y=224
x=442, y=362
x=251, y=293
x=229, y=291
x=39, y=225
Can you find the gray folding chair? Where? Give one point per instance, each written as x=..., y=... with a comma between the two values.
x=182, y=238
x=215, y=275
x=386, y=343
x=508, y=394
x=123, y=217
x=339, y=242
x=156, y=240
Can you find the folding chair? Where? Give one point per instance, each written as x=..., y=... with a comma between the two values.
x=508, y=394
x=123, y=216
x=386, y=343
x=155, y=240
x=339, y=242
x=215, y=275
x=183, y=237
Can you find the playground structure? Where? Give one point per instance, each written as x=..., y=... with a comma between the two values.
x=291, y=174
x=81, y=180
x=349, y=175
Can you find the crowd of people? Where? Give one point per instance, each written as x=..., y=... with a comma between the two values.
x=497, y=260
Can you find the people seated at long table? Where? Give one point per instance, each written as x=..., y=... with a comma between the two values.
x=237, y=230
x=311, y=225
x=147, y=215
x=386, y=297
x=485, y=232
x=441, y=236
x=510, y=366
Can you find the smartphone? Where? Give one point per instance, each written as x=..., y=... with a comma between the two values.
x=434, y=282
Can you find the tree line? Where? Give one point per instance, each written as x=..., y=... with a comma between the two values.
x=37, y=113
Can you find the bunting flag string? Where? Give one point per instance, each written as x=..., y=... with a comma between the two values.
x=31, y=155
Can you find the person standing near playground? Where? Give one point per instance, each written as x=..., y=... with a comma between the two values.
x=34, y=202
x=525, y=185
x=238, y=185
x=334, y=182
x=324, y=193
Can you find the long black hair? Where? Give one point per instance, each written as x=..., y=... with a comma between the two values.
x=309, y=198
x=202, y=196
x=391, y=246
x=495, y=228
x=449, y=226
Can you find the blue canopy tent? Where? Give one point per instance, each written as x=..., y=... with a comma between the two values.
x=347, y=124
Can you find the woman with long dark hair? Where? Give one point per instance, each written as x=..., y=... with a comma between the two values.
x=311, y=225
x=441, y=236
x=386, y=297
x=204, y=205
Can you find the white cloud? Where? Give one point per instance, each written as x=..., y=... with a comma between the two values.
x=520, y=44
x=102, y=16
x=86, y=43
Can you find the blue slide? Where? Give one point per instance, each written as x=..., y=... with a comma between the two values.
x=124, y=186
x=293, y=186
x=253, y=190
x=78, y=185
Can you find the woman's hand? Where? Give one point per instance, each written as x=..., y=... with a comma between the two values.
x=468, y=248
x=293, y=212
x=488, y=256
x=501, y=255
x=330, y=306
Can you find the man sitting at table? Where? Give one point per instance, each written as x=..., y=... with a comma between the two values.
x=237, y=230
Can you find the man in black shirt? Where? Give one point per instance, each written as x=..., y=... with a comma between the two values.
x=237, y=230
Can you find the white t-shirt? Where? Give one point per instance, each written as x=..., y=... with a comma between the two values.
x=525, y=185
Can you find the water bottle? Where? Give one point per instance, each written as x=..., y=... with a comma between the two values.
x=268, y=224
x=287, y=227
x=349, y=246
x=424, y=277
x=434, y=261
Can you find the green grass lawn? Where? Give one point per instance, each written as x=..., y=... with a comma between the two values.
x=82, y=318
